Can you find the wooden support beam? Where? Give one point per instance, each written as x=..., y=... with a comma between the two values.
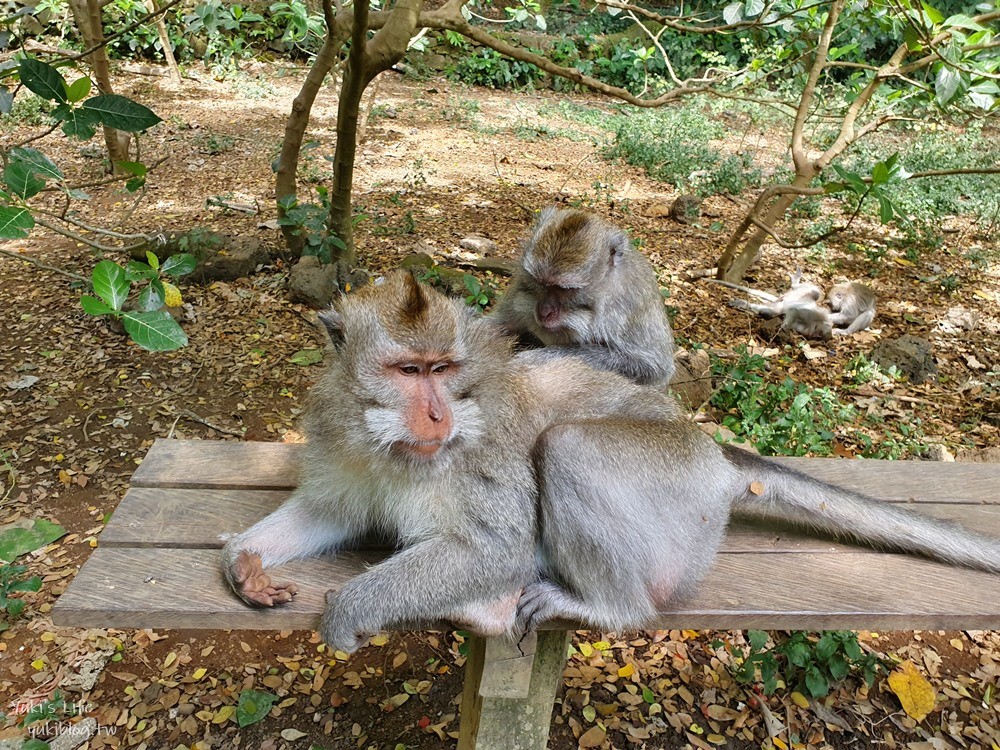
x=509, y=691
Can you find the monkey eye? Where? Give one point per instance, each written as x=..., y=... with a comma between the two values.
x=440, y=367
x=409, y=369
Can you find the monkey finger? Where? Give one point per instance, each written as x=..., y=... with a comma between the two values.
x=245, y=566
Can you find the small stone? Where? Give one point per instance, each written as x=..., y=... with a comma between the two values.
x=686, y=209
x=938, y=452
x=23, y=382
x=478, y=244
x=910, y=355
x=312, y=283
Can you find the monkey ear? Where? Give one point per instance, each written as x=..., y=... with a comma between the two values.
x=616, y=249
x=333, y=321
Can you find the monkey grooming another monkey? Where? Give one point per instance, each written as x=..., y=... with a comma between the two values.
x=853, y=305
x=509, y=484
x=583, y=289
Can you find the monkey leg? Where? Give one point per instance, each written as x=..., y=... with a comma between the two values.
x=426, y=582
x=630, y=519
x=766, y=311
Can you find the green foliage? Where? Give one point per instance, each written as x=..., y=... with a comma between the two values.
x=12, y=581
x=228, y=30
x=301, y=28
x=15, y=542
x=810, y=663
x=787, y=418
x=485, y=67
x=930, y=199
x=28, y=171
x=309, y=221
x=253, y=706
x=150, y=326
x=480, y=295
x=673, y=145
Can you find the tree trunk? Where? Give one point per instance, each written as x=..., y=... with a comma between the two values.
x=366, y=60
x=285, y=183
x=735, y=259
x=351, y=90
x=168, y=51
x=87, y=14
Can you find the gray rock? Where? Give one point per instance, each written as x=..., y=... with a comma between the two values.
x=417, y=260
x=220, y=257
x=910, y=355
x=311, y=282
x=692, y=381
x=938, y=452
x=499, y=266
x=686, y=209
x=478, y=244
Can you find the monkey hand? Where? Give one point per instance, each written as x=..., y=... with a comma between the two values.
x=255, y=586
x=337, y=629
x=541, y=601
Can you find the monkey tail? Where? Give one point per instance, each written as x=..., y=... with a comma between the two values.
x=776, y=493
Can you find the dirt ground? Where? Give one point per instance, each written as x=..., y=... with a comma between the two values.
x=439, y=162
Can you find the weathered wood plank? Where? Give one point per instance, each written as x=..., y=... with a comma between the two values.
x=168, y=517
x=183, y=518
x=198, y=464
x=140, y=588
x=219, y=464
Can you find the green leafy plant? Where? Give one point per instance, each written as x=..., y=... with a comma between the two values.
x=150, y=326
x=12, y=581
x=786, y=418
x=15, y=542
x=28, y=171
x=308, y=221
x=486, y=67
x=810, y=663
x=480, y=295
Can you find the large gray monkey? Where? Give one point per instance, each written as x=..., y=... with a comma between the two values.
x=583, y=289
x=426, y=429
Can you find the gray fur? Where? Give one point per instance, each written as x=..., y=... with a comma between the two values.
x=614, y=318
x=853, y=305
x=582, y=493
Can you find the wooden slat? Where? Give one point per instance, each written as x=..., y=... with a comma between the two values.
x=139, y=588
x=181, y=518
x=167, y=517
x=195, y=464
x=200, y=464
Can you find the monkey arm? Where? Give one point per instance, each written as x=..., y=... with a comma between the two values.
x=430, y=581
x=859, y=323
x=295, y=530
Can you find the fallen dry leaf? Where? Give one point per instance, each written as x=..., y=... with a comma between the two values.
x=913, y=690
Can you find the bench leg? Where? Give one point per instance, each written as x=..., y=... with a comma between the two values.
x=508, y=697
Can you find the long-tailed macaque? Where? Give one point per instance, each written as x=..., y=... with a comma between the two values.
x=853, y=305
x=489, y=471
x=583, y=289
x=799, y=308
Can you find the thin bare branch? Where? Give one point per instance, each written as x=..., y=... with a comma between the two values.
x=41, y=264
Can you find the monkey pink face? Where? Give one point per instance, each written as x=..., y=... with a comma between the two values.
x=427, y=412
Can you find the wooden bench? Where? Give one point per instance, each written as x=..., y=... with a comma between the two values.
x=157, y=566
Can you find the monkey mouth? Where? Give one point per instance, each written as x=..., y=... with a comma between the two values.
x=423, y=449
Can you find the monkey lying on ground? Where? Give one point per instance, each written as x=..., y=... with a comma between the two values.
x=583, y=289
x=489, y=471
x=851, y=307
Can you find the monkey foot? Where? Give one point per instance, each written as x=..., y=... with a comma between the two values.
x=256, y=586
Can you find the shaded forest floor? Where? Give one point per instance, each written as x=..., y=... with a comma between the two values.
x=439, y=162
